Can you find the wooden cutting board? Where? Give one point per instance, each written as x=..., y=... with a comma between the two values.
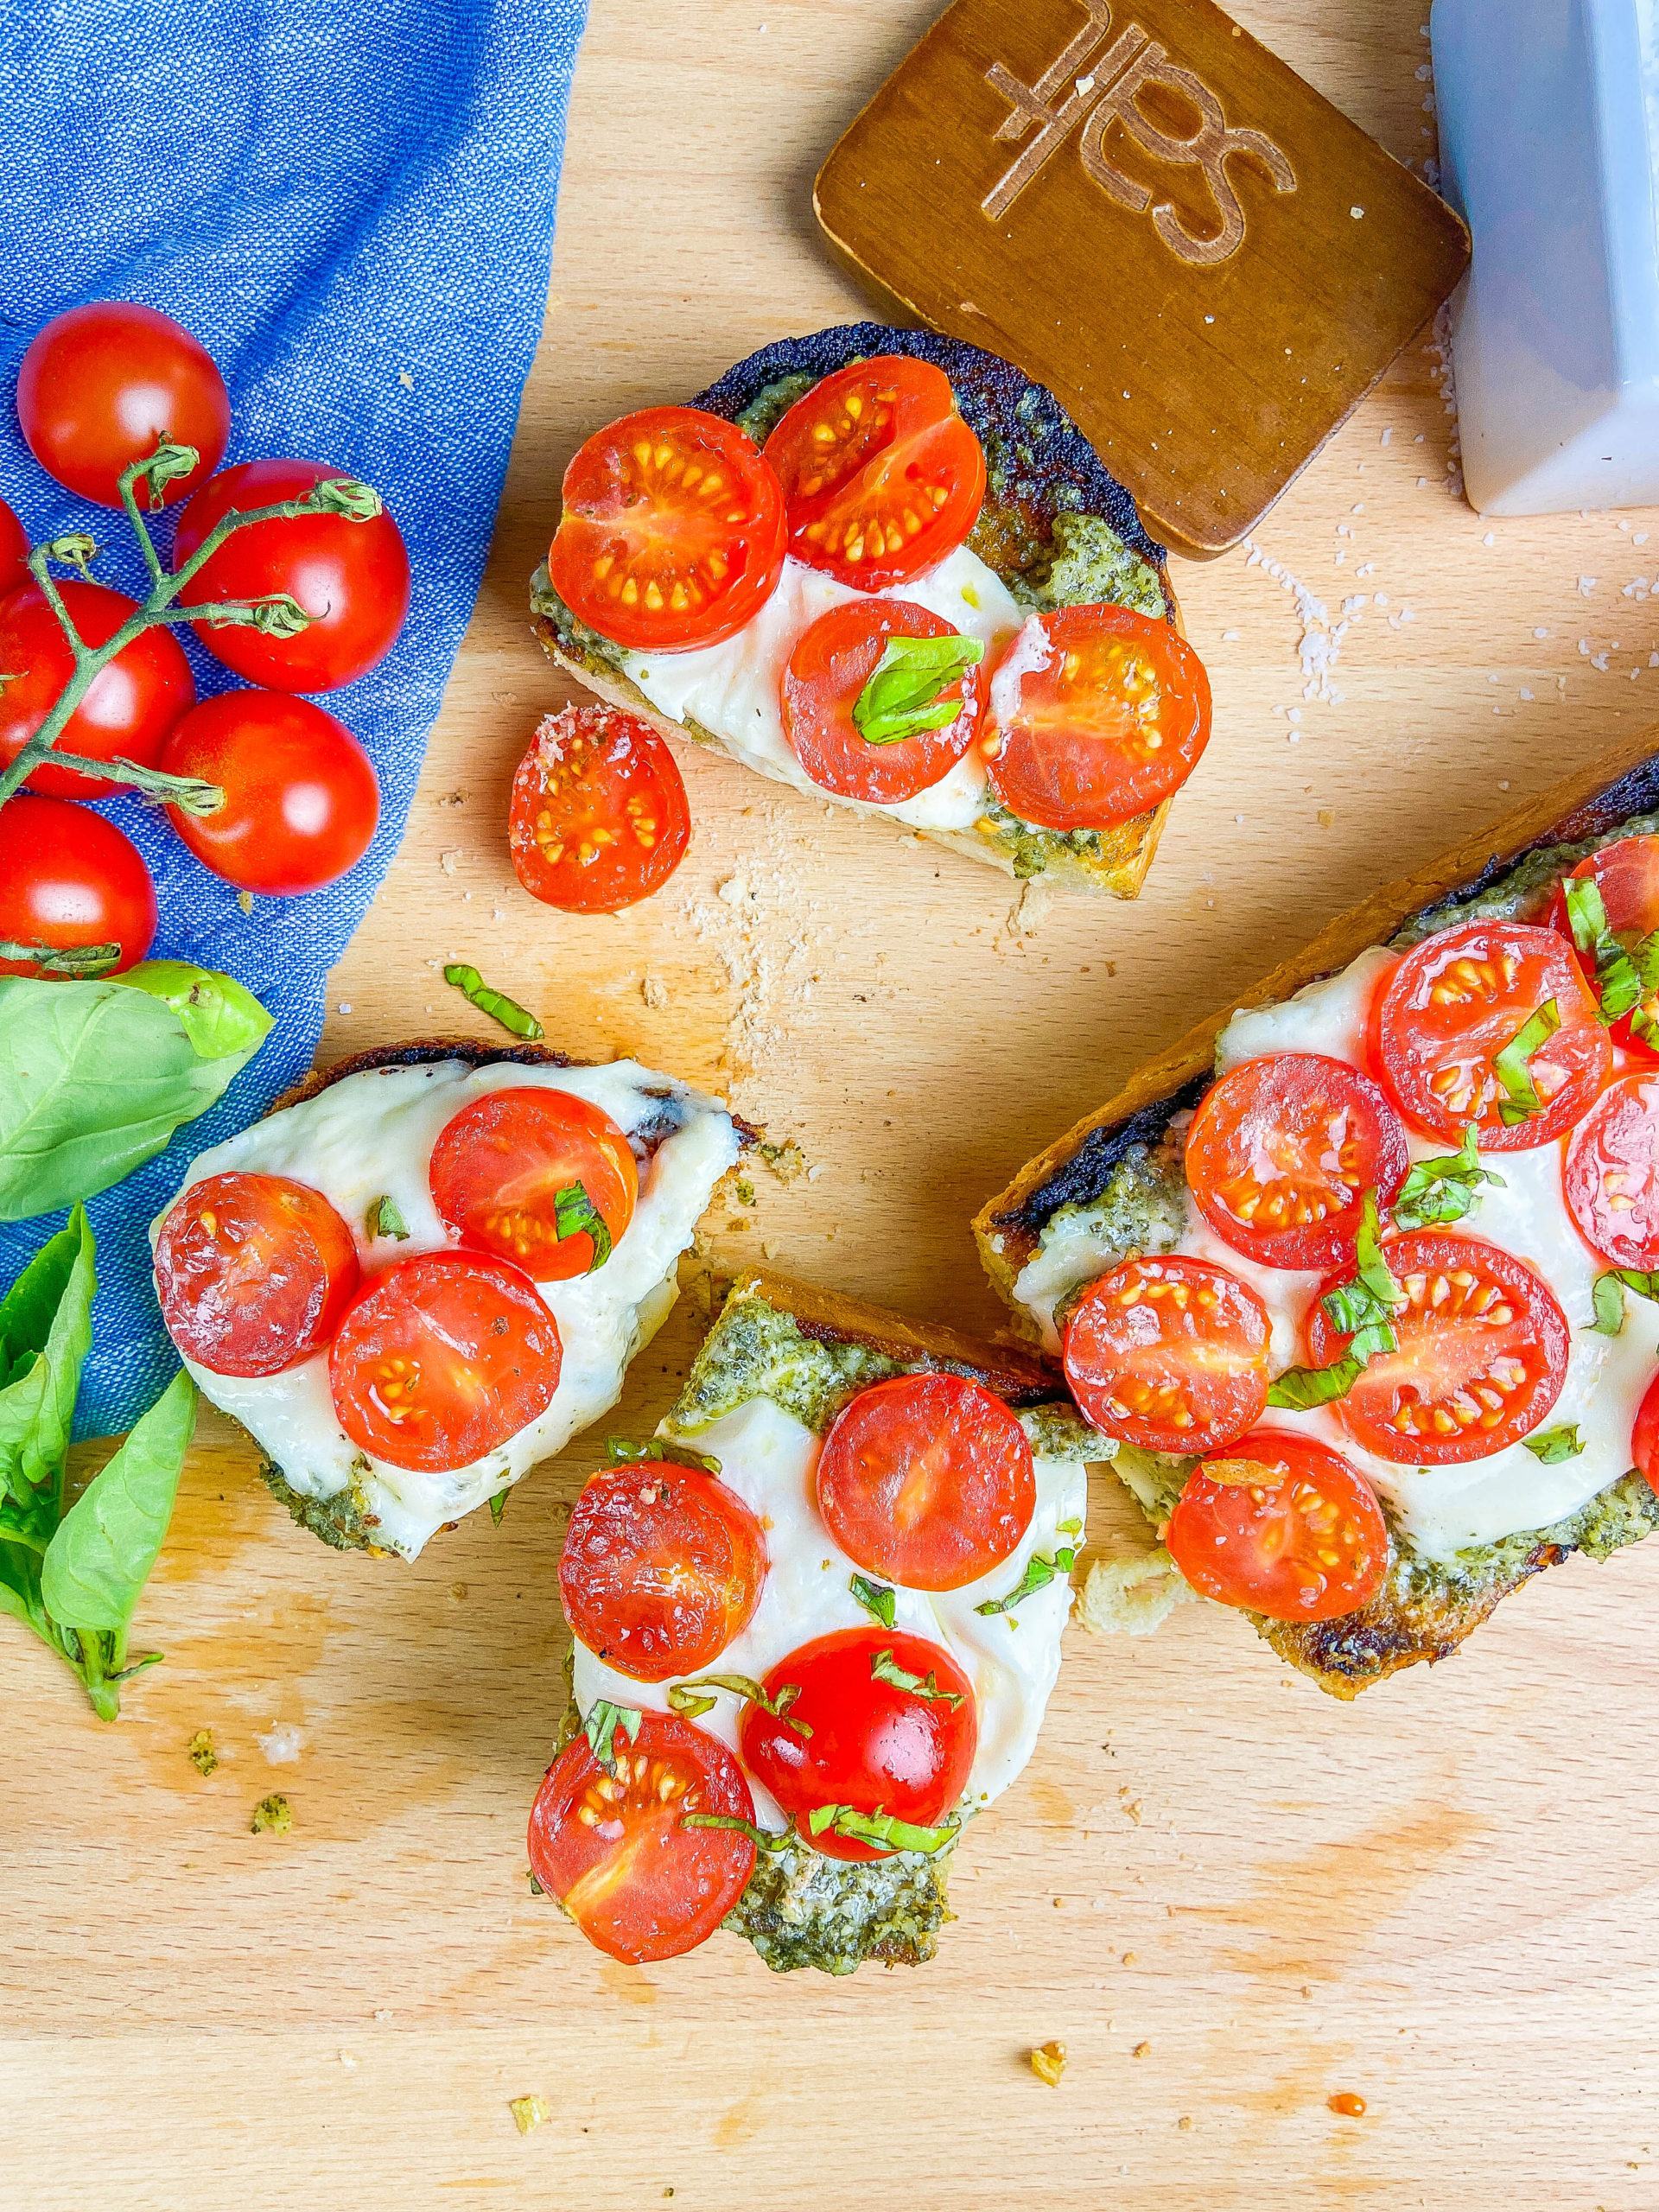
x=1439, y=1899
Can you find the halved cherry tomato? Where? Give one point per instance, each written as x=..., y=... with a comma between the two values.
x=1482, y=1358
x=662, y=1566
x=1097, y=714
x=14, y=551
x=832, y=664
x=926, y=1480
x=1170, y=1354
x=1452, y=1005
x=102, y=385
x=1305, y=1541
x=599, y=818
x=70, y=880
x=302, y=798
x=441, y=1358
x=1281, y=1152
x=1644, y=1436
x=1627, y=876
x=253, y=1272
x=351, y=578
x=131, y=707
x=514, y=1172
x=874, y=1748
x=882, y=476
x=615, y=1851
x=1611, y=1174
x=672, y=534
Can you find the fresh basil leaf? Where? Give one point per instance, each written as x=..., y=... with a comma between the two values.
x=498, y=1507
x=1636, y=1279
x=384, y=1218
x=217, y=1015
x=46, y=1327
x=1362, y=1311
x=496, y=1004
x=1299, y=1389
x=1555, y=1445
x=687, y=1703
x=574, y=1211
x=624, y=1454
x=1039, y=1572
x=97, y=1563
x=1513, y=1068
x=681, y=1695
x=1624, y=978
x=94, y=1078
x=876, y=1598
x=601, y=1727
x=1608, y=1300
x=762, y=1839
x=1586, y=913
x=881, y=1829
x=901, y=697
x=885, y=1669
x=1371, y=1269
x=20, y=1588
x=1443, y=1189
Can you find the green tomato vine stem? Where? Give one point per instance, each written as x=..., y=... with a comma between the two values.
x=278, y=614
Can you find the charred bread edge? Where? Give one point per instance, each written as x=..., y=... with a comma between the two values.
x=1620, y=782
x=991, y=393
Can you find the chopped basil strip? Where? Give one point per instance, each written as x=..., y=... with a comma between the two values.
x=1301, y=1388
x=384, y=1220
x=1068, y=1527
x=496, y=1004
x=688, y=1704
x=1555, y=1445
x=876, y=1598
x=600, y=1728
x=762, y=1839
x=885, y=1669
x=1625, y=978
x=750, y=1691
x=1444, y=1189
x=624, y=1454
x=901, y=698
x=1608, y=1299
x=879, y=1828
x=1039, y=1572
x=498, y=1507
x=1513, y=1069
x=1635, y=1278
x=574, y=1211
x=1364, y=1312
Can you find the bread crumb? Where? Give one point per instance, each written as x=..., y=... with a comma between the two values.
x=348, y=2058
x=1185, y=2123
x=405, y=379
x=1142, y=2050
x=1048, y=2062
x=448, y=858
x=786, y=1160
x=1030, y=910
x=654, y=991
x=735, y=890
x=527, y=2112
x=244, y=900
x=1132, y=1596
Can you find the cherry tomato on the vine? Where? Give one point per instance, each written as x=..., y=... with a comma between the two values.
x=828, y=670
x=882, y=476
x=302, y=798
x=128, y=711
x=253, y=1272
x=599, y=818
x=1282, y=1526
x=1170, y=1354
x=14, y=551
x=69, y=879
x=672, y=534
x=510, y=1173
x=351, y=578
x=102, y=385
x=612, y=1844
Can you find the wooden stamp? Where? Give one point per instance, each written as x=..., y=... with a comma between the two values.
x=1207, y=262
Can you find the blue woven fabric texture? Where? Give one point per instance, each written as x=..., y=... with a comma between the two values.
x=352, y=209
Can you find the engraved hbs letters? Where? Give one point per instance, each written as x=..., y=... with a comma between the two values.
x=1107, y=94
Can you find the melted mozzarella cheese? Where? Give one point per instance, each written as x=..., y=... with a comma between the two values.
x=732, y=689
x=771, y=1461
x=370, y=1135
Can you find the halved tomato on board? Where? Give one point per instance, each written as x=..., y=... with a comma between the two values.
x=927, y=1480
x=253, y=1272
x=612, y=1843
x=1483, y=1349
x=672, y=534
x=662, y=1566
x=1282, y=1151
x=599, y=818
x=1627, y=876
x=1280, y=1525
x=888, y=737
x=882, y=476
x=1170, y=1354
x=1097, y=714
x=1611, y=1174
x=540, y=1177
x=440, y=1359
x=1491, y=1024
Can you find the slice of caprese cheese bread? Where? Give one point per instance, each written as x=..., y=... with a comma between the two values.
x=431, y=1268
x=886, y=568
x=815, y=1622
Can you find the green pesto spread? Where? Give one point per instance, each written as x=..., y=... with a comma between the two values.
x=342, y=1521
x=802, y=1910
x=1523, y=890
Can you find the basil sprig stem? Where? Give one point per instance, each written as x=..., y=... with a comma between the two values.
x=276, y=614
x=762, y=1839
x=1362, y=1311
x=902, y=698
x=1513, y=1066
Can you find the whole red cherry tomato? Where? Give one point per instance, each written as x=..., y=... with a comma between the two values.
x=69, y=879
x=14, y=551
x=100, y=387
x=302, y=799
x=352, y=577
x=131, y=705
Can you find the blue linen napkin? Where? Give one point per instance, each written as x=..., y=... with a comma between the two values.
x=352, y=209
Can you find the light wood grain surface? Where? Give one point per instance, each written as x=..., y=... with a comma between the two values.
x=1229, y=1896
